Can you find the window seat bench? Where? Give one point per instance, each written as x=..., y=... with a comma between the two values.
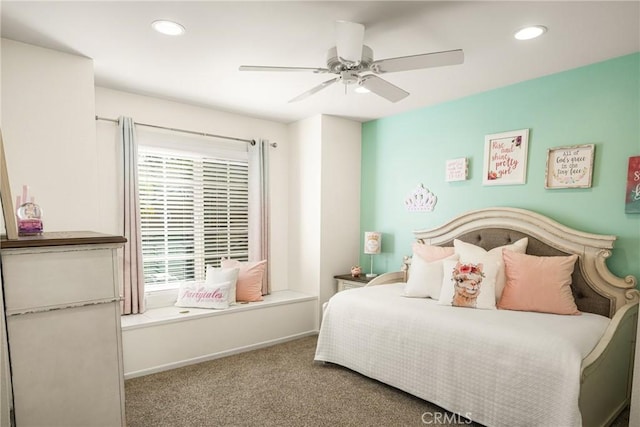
x=170, y=337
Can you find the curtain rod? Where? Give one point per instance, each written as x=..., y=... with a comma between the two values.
x=250, y=141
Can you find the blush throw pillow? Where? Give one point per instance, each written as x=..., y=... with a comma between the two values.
x=475, y=254
x=425, y=278
x=431, y=253
x=249, y=285
x=537, y=283
x=215, y=275
x=475, y=284
x=203, y=295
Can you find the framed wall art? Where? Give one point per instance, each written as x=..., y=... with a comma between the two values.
x=569, y=167
x=632, y=200
x=505, y=158
x=457, y=169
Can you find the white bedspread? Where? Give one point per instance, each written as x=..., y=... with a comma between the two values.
x=496, y=367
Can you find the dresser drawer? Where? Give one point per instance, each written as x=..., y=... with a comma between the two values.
x=45, y=279
x=66, y=366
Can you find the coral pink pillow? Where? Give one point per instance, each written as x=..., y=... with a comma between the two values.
x=249, y=285
x=432, y=253
x=537, y=283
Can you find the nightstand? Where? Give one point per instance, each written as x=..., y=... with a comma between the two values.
x=347, y=281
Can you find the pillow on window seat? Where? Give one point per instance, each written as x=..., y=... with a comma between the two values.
x=204, y=295
x=249, y=285
x=218, y=275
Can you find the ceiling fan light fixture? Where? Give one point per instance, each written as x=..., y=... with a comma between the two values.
x=360, y=71
x=531, y=32
x=168, y=28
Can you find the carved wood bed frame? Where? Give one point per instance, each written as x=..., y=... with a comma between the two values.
x=606, y=373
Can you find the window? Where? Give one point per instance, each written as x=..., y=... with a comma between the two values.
x=194, y=210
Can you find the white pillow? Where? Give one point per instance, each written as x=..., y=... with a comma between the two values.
x=475, y=255
x=218, y=275
x=425, y=278
x=203, y=295
x=477, y=287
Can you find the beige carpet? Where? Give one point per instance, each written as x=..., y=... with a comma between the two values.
x=276, y=386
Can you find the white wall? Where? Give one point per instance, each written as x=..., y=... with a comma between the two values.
x=340, y=195
x=304, y=205
x=49, y=133
x=143, y=109
x=324, y=202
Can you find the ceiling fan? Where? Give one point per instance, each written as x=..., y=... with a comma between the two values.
x=353, y=63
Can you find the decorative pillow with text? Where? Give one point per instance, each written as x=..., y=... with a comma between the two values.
x=204, y=295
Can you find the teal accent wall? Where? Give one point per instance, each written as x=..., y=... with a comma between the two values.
x=596, y=104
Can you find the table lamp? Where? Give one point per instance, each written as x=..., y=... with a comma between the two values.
x=372, y=246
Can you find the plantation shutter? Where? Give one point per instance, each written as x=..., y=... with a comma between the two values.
x=194, y=211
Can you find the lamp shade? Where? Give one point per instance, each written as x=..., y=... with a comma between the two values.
x=372, y=242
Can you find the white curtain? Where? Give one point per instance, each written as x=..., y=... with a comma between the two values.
x=132, y=284
x=259, y=206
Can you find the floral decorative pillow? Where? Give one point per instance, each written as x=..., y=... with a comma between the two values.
x=203, y=295
x=425, y=278
x=470, y=285
x=475, y=254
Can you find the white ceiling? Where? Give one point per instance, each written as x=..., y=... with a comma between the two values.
x=201, y=66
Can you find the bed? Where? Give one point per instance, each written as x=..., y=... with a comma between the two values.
x=497, y=367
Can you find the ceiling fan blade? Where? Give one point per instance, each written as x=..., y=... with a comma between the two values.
x=315, y=89
x=349, y=40
x=264, y=68
x=417, y=62
x=383, y=88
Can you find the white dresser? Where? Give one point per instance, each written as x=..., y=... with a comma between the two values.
x=63, y=321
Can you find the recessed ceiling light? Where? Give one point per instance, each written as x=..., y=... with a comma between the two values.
x=529, y=33
x=169, y=28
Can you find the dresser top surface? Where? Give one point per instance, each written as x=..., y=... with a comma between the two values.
x=61, y=238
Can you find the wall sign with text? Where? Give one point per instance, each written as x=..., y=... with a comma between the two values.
x=505, y=158
x=570, y=167
x=632, y=200
x=457, y=169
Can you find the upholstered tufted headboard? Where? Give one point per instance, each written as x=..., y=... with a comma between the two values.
x=595, y=288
